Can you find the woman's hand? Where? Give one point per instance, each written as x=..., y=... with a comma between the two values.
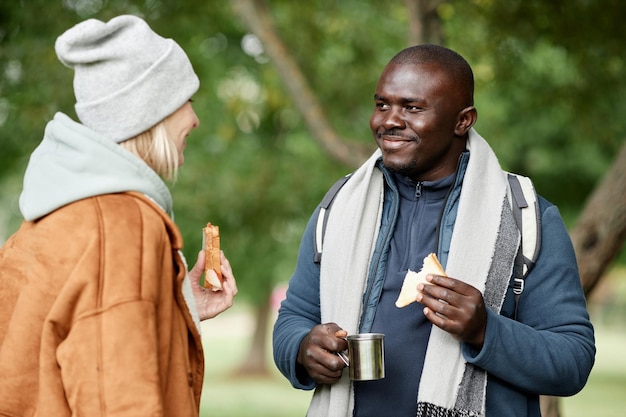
x=211, y=303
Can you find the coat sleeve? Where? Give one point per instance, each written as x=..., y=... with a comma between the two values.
x=298, y=313
x=550, y=349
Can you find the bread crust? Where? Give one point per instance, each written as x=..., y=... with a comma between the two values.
x=213, y=278
x=408, y=292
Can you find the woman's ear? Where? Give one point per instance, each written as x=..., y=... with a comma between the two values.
x=467, y=118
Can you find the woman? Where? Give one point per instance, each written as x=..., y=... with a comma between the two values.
x=98, y=315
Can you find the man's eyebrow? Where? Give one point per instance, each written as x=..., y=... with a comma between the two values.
x=413, y=100
x=403, y=100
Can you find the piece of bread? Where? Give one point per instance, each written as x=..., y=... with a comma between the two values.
x=409, y=291
x=212, y=262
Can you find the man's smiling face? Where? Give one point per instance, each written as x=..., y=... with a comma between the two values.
x=414, y=121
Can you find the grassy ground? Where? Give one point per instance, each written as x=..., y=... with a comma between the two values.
x=227, y=339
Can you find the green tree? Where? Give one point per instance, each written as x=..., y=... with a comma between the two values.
x=283, y=117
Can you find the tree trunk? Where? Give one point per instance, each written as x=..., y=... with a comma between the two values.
x=424, y=22
x=550, y=406
x=598, y=236
x=255, y=15
x=255, y=363
x=601, y=228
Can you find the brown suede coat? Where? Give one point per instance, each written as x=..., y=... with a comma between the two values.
x=92, y=316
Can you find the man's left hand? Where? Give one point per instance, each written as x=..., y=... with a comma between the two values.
x=456, y=307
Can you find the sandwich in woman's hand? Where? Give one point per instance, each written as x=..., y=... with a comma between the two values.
x=212, y=262
x=408, y=292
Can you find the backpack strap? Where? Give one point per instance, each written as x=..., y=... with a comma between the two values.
x=525, y=206
x=526, y=213
x=322, y=217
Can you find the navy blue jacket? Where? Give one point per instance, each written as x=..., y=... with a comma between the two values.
x=548, y=350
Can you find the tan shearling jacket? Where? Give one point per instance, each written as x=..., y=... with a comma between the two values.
x=92, y=316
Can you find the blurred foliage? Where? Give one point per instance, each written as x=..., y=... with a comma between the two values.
x=550, y=87
x=550, y=93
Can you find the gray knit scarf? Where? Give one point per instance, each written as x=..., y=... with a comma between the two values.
x=482, y=252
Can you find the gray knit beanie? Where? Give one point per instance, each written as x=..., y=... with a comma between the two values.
x=126, y=77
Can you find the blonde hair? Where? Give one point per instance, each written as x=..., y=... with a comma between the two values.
x=157, y=150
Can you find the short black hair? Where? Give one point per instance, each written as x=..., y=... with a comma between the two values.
x=453, y=63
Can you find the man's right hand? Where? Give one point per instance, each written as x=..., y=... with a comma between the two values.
x=317, y=353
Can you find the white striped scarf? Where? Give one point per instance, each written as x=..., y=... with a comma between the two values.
x=449, y=387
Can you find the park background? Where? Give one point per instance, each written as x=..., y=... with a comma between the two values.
x=285, y=98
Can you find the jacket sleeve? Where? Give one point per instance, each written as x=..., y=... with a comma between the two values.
x=298, y=313
x=550, y=349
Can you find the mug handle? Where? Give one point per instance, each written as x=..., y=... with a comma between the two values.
x=344, y=358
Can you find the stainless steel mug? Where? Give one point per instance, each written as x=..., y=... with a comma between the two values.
x=366, y=356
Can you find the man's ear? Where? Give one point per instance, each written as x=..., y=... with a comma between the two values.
x=467, y=118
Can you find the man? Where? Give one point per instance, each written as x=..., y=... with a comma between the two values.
x=434, y=185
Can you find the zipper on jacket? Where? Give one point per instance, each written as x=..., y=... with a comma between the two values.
x=445, y=204
x=418, y=189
